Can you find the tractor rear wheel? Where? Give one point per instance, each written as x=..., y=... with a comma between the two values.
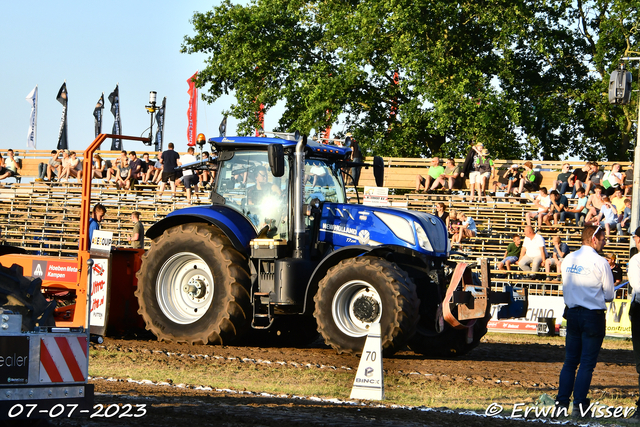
x=359, y=292
x=193, y=287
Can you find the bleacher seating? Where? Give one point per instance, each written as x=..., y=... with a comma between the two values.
x=44, y=218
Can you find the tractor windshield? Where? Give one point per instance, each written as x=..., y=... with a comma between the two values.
x=321, y=181
x=246, y=183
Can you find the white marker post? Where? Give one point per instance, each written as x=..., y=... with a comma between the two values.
x=369, y=382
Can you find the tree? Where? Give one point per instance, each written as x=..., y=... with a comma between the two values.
x=414, y=79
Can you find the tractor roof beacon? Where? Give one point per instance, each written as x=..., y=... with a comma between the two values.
x=280, y=249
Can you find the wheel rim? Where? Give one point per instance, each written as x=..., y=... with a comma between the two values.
x=184, y=288
x=355, y=306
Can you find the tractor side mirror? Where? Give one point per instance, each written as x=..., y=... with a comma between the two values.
x=276, y=159
x=378, y=170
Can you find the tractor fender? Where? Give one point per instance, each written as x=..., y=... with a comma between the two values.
x=333, y=259
x=234, y=225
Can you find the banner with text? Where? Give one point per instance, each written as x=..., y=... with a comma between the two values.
x=192, y=112
x=32, y=99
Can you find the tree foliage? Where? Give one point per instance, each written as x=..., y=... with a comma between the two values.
x=407, y=78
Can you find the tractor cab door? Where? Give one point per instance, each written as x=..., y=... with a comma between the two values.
x=246, y=183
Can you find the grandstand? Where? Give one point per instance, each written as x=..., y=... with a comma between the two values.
x=44, y=218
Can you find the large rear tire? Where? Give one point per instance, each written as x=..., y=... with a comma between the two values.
x=193, y=287
x=360, y=291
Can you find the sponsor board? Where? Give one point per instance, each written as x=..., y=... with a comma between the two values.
x=99, y=293
x=58, y=271
x=376, y=196
x=618, y=323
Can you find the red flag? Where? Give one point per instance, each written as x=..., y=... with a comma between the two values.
x=192, y=112
x=260, y=115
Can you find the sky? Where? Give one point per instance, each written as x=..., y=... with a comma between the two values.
x=94, y=46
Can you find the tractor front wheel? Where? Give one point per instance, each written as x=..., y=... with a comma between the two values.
x=359, y=292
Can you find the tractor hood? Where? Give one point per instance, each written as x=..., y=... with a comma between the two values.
x=345, y=225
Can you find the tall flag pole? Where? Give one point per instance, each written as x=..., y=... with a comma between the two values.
x=63, y=98
x=97, y=114
x=192, y=112
x=114, y=99
x=160, y=122
x=32, y=99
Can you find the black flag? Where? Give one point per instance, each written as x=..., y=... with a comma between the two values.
x=114, y=99
x=160, y=123
x=97, y=113
x=62, y=98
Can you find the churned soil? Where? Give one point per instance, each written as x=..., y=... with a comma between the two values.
x=492, y=364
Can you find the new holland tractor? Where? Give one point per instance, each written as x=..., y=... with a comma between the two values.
x=279, y=248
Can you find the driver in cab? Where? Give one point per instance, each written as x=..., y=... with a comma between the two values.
x=262, y=189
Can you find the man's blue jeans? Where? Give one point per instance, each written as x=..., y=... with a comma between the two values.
x=585, y=332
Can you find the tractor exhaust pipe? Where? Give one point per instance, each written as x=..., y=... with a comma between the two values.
x=299, y=228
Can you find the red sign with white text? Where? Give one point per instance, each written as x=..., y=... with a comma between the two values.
x=61, y=271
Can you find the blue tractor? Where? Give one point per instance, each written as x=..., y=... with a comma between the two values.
x=280, y=250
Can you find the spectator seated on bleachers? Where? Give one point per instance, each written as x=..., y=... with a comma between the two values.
x=512, y=254
x=624, y=219
x=578, y=212
x=533, y=252
x=608, y=216
x=448, y=178
x=564, y=182
x=613, y=179
x=559, y=204
x=560, y=250
x=434, y=172
x=466, y=230
x=512, y=177
x=529, y=179
x=541, y=203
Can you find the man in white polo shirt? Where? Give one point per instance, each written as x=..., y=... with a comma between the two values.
x=587, y=287
x=633, y=274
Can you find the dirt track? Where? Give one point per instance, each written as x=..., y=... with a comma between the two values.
x=492, y=364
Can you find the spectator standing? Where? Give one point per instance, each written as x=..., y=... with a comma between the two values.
x=137, y=235
x=466, y=230
x=468, y=167
x=533, y=252
x=512, y=254
x=169, y=160
x=541, y=203
x=587, y=287
x=560, y=251
x=448, y=177
x=190, y=178
x=99, y=211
